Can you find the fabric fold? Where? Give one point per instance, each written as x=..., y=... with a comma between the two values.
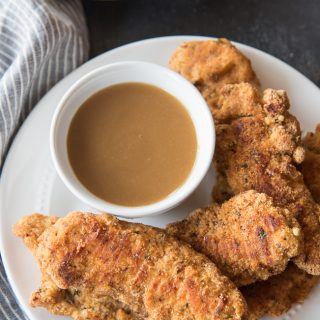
x=41, y=41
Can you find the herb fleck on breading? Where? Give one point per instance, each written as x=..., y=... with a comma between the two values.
x=261, y=233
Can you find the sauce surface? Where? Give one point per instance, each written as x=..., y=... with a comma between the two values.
x=132, y=144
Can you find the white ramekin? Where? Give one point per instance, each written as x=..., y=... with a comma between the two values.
x=132, y=71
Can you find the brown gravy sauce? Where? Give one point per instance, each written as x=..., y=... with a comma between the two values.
x=132, y=144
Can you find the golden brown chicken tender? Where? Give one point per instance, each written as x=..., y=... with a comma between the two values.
x=72, y=302
x=97, y=267
x=244, y=104
x=61, y=301
x=276, y=296
x=310, y=167
x=30, y=228
x=260, y=151
x=211, y=64
x=248, y=238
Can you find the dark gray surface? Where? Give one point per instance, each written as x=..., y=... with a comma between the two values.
x=287, y=29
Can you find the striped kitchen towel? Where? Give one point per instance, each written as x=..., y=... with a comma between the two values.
x=40, y=42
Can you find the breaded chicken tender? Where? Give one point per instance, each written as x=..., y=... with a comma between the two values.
x=260, y=151
x=211, y=64
x=63, y=301
x=257, y=132
x=310, y=167
x=97, y=267
x=276, y=296
x=279, y=293
x=30, y=228
x=247, y=237
x=293, y=284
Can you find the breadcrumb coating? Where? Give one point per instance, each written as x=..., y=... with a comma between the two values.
x=98, y=267
x=247, y=237
x=211, y=64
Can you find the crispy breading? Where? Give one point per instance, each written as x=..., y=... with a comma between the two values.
x=311, y=141
x=276, y=296
x=31, y=227
x=73, y=303
x=310, y=167
x=264, y=134
x=260, y=152
x=211, y=64
x=99, y=265
x=248, y=238
x=293, y=285
x=244, y=104
x=56, y=300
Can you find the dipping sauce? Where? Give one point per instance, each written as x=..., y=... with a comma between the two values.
x=132, y=144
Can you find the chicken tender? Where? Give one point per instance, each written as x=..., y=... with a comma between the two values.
x=276, y=296
x=260, y=151
x=284, y=290
x=30, y=228
x=211, y=64
x=97, y=267
x=310, y=167
x=57, y=300
x=247, y=237
x=72, y=302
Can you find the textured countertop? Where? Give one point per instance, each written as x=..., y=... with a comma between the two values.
x=287, y=29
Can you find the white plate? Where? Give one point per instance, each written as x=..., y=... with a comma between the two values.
x=29, y=182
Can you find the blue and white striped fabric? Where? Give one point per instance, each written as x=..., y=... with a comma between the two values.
x=40, y=42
